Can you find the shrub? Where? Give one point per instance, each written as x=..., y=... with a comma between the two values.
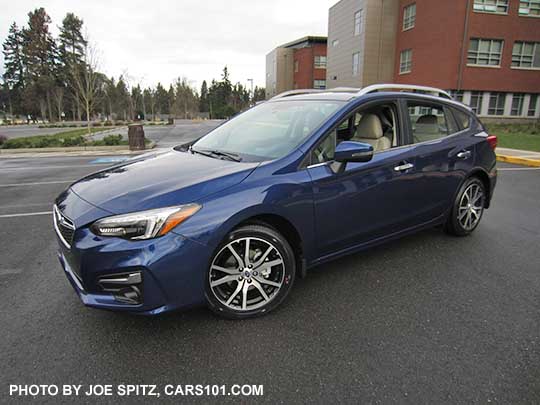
x=96, y=124
x=120, y=122
x=45, y=142
x=110, y=140
x=74, y=141
x=3, y=139
x=108, y=123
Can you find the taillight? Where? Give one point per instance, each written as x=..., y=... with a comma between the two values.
x=492, y=140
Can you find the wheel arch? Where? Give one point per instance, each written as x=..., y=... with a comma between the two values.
x=285, y=228
x=482, y=175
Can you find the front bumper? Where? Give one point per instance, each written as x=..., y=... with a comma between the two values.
x=171, y=267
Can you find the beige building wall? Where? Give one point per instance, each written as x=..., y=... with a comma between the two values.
x=279, y=71
x=375, y=43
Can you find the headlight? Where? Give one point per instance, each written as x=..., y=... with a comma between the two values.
x=144, y=224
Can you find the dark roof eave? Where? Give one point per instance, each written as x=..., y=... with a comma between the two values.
x=312, y=39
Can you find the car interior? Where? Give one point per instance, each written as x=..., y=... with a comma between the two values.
x=428, y=123
x=376, y=126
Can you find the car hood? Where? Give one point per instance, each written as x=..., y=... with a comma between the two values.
x=161, y=180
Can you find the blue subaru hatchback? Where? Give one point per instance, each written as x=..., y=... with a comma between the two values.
x=232, y=219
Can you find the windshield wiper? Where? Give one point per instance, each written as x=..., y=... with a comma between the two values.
x=192, y=150
x=231, y=156
x=212, y=153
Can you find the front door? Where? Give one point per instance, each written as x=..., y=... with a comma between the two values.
x=365, y=201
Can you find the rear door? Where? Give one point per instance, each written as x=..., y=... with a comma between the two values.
x=444, y=153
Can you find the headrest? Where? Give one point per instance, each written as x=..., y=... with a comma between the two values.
x=369, y=127
x=428, y=119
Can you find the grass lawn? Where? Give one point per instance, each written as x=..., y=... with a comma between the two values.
x=68, y=138
x=517, y=136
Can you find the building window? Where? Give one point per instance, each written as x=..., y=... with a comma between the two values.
x=457, y=95
x=335, y=42
x=358, y=22
x=409, y=16
x=485, y=52
x=532, y=105
x=319, y=84
x=491, y=6
x=355, y=63
x=526, y=55
x=529, y=8
x=517, y=104
x=477, y=98
x=296, y=66
x=320, y=62
x=496, y=103
x=405, y=61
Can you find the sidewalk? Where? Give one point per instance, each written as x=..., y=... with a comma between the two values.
x=519, y=157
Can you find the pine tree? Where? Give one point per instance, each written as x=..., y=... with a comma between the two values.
x=13, y=58
x=203, y=103
x=161, y=100
x=13, y=68
x=122, y=99
x=40, y=62
x=71, y=54
x=259, y=94
x=171, y=98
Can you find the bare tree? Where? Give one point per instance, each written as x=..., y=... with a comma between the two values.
x=87, y=81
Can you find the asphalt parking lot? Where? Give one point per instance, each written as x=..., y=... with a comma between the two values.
x=21, y=131
x=426, y=319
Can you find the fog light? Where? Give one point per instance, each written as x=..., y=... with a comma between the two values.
x=126, y=287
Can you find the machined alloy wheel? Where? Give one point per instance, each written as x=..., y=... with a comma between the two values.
x=468, y=208
x=251, y=272
x=471, y=206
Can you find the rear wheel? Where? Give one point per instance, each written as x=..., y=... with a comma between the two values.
x=467, y=209
x=251, y=273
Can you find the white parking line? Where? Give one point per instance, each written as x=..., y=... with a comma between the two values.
x=509, y=169
x=36, y=184
x=50, y=167
x=26, y=214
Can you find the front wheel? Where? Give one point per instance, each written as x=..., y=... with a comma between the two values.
x=251, y=273
x=467, y=209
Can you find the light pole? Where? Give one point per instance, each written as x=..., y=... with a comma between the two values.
x=252, y=95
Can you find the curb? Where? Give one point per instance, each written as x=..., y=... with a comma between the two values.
x=518, y=160
x=73, y=150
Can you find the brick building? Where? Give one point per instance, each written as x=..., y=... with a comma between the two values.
x=487, y=52
x=300, y=64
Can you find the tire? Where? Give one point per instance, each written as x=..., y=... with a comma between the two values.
x=236, y=291
x=467, y=208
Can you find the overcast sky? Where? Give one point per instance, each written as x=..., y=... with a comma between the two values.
x=160, y=40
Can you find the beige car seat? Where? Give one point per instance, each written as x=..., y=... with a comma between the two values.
x=370, y=131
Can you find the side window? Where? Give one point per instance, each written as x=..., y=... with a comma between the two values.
x=463, y=119
x=429, y=121
x=376, y=126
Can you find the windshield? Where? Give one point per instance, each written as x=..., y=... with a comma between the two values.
x=269, y=130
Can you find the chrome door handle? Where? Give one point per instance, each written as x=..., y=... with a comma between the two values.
x=403, y=167
x=464, y=155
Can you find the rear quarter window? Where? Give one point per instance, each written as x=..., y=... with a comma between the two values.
x=463, y=119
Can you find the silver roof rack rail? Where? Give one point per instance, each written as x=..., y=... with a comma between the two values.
x=404, y=87
x=295, y=93
x=344, y=90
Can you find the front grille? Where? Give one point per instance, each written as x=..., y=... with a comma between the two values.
x=67, y=233
x=64, y=227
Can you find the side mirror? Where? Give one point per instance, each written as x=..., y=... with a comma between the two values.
x=350, y=151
